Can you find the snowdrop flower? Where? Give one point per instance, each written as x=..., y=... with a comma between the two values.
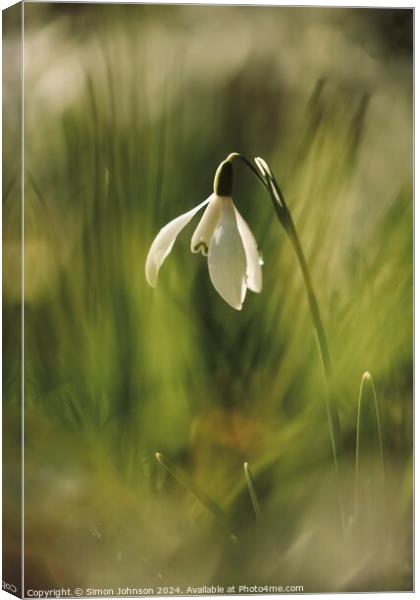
x=223, y=236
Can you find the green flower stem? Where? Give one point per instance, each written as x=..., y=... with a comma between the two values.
x=267, y=178
x=236, y=155
x=334, y=427
x=321, y=338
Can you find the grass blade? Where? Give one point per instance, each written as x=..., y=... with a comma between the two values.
x=185, y=480
x=252, y=493
x=368, y=434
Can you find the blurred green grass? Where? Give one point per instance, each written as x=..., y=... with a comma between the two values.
x=129, y=110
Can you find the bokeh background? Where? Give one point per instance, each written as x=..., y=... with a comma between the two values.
x=128, y=111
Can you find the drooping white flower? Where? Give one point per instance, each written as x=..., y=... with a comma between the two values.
x=223, y=236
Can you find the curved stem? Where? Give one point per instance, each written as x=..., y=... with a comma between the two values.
x=267, y=178
x=334, y=427
x=321, y=338
x=248, y=163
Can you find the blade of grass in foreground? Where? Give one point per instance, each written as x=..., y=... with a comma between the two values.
x=252, y=493
x=368, y=434
x=185, y=480
x=263, y=526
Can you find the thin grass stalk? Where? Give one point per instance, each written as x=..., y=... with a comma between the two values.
x=252, y=492
x=185, y=481
x=367, y=396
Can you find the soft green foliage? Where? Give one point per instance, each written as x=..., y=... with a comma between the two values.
x=129, y=110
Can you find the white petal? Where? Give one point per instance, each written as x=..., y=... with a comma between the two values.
x=164, y=241
x=253, y=265
x=227, y=260
x=200, y=240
